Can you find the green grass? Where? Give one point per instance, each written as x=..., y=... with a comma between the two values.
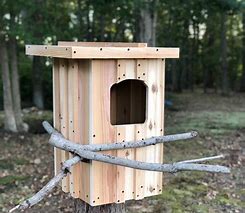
x=11, y=179
x=215, y=123
x=10, y=163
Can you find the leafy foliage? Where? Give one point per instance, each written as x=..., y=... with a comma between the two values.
x=194, y=26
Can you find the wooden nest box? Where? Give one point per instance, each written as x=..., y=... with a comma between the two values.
x=108, y=93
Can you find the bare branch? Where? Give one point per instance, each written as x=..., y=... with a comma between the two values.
x=61, y=143
x=126, y=145
x=50, y=130
x=202, y=159
x=48, y=187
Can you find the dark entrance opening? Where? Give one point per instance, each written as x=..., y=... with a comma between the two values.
x=128, y=102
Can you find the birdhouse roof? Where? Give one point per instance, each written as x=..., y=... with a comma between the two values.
x=101, y=50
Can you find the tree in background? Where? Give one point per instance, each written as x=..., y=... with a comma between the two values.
x=242, y=87
x=10, y=13
x=209, y=34
x=146, y=14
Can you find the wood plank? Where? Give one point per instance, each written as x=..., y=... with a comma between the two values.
x=49, y=51
x=84, y=132
x=154, y=123
x=64, y=114
x=102, y=52
x=140, y=133
x=76, y=130
x=101, y=44
x=73, y=122
x=103, y=176
x=70, y=103
x=56, y=111
x=126, y=70
x=161, y=147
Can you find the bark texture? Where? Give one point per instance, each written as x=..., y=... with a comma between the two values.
x=242, y=87
x=224, y=65
x=16, y=87
x=37, y=82
x=147, y=22
x=82, y=207
x=9, y=118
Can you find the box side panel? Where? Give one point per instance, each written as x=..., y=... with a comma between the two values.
x=73, y=130
x=56, y=111
x=83, y=129
x=63, y=76
x=103, y=176
x=154, y=124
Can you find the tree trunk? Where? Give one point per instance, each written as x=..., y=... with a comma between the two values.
x=82, y=207
x=80, y=20
x=147, y=22
x=16, y=87
x=9, y=118
x=224, y=65
x=242, y=87
x=37, y=82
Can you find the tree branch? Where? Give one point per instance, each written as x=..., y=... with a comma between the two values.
x=49, y=186
x=202, y=159
x=124, y=145
x=66, y=145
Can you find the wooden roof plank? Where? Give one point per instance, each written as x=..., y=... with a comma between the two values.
x=77, y=52
x=101, y=44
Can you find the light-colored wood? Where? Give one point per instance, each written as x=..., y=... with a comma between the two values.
x=73, y=121
x=70, y=99
x=154, y=123
x=103, y=176
x=63, y=75
x=76, y=129
x=84, y=131
x=49, y=51
x=77, y=52
x=56, y=111
x=140, y=133
x=82, y=104
x=126, y=70
x=101, y=44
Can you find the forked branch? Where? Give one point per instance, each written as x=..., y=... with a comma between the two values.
x=90, y=152
x=47, y=189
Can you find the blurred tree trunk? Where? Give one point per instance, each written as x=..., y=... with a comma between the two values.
x=176, y=77
x=148, y=21
x=242, y=87
x=16, y=86
x=224, y=65
x=9, y=118
x=37, y=78
x=80, y=20
x=82, y=207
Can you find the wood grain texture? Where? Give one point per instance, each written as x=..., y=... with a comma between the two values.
x=77, y=52
x=103, y=175
x=101, y=44
x=140, y=133
x=56, y=112
x=154, y=122
x=73, y=122
x=63, y=76
x=87, y=94
x=126, y=69
x=84, y=131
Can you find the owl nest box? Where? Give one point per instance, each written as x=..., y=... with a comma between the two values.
x=108, y=93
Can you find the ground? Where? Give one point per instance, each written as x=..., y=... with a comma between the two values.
x=220, y=122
